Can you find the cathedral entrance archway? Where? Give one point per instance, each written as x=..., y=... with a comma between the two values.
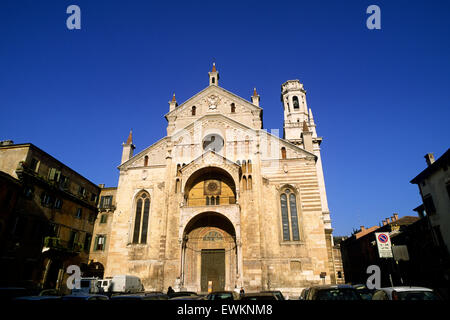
x=209, y=253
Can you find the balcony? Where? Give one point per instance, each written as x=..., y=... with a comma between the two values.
x=210, y=201
x=106, y=207
x=55, y=243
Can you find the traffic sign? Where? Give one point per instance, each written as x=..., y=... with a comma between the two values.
x=384, y=244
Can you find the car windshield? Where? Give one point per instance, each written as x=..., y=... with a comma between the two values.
x=75, y=298
x=365, y=293
x=279, y=295
x=221, y=296
x=259, y=298
x=182, y=294
x=416, y=295
x=338, y=294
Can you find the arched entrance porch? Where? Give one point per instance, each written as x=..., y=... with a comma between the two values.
x=210, y=253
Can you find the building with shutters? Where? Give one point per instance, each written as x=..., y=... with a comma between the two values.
x=47, y=215
x=221, y=202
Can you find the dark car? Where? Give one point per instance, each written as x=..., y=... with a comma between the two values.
x=364, y=292
x=182, y=294
x=304, y=294
x=333, y=292
x=277, y=293
x=85, y=297
x=140, y=296
x=10, y=293
x=223, y=295
x=37, y=298
x=259, y=296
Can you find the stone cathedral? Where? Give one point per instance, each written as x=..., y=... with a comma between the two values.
x=221, y=203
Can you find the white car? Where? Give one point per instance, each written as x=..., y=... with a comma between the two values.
x=405, y=293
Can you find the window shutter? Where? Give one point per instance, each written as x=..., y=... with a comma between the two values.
x=51, y=174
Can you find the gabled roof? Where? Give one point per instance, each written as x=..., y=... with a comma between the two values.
x=137, y=156
x=205, y=155
x=216, y=115
x=212, y=88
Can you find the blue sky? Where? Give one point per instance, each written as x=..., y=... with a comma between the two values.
x=380, y=98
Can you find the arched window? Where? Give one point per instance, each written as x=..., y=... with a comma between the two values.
x=283, y=153
x=194, y=108
x=207, y=201
x=141, y=218
x=213, y=80
x=217, y=200
x=233, y=108
x=289, y=216
x=213, y=201
x=295, y=102
x=145, y=161
x=244, y=183
x=177, y=186
x=249, y=184
x=244, y=166
x=178, y=170
x=249, y=166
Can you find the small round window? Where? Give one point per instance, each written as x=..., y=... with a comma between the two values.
x=213, y=142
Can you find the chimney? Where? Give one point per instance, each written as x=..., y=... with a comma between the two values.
x=101, y=185
x=384, y=222
x=429, y=157
x=362, y=228
x=395, y=216
x=388, y=221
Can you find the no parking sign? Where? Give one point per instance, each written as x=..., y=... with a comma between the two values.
x=384, y=244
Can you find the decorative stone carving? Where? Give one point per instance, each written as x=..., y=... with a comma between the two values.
x=213, y=101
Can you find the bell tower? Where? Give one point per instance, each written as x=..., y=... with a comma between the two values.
x=293, y=96
x=214, y=76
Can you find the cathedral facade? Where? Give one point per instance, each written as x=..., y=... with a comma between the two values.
x=221, y=203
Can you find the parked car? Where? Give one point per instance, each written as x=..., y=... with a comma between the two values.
x=223, y=295
x=87, y=286
x=304, y=294
x=84, y=297
x=259, y=296
x=10, y=293
x=364, y=292
x=333, y=292
x=37, y=298
x=277, y=293
x=104, y=285
x=126, y=284
x=182, y=294
x=139, y=296
x=405, y=293
x=189, y=298
x=50, y=292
